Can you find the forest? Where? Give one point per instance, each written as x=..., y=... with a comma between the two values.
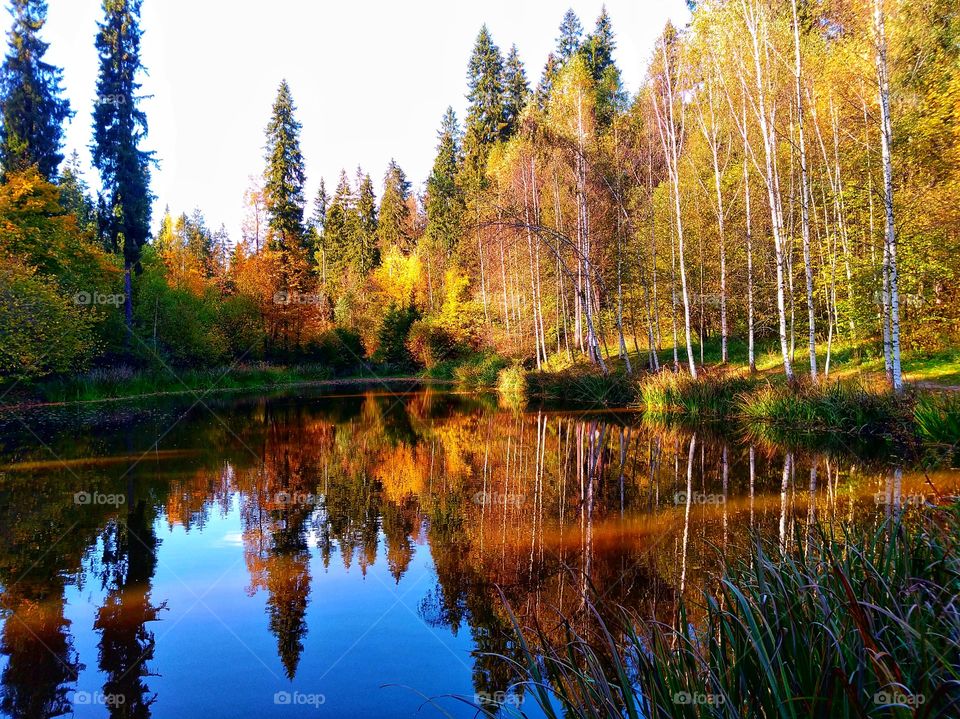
x=782, y=193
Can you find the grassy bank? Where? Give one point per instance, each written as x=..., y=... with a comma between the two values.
x=841, y=625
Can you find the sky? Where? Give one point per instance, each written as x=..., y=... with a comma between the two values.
x=370, y=78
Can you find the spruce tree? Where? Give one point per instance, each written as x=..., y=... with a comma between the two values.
x=486, y=113
x=75, y=195
x=336, y=225
x=545, y=86
x=285, y=174
x=320, y=204
x=393, y=225
x=571, y=37
x=32, y=107
x=119, y=126
x=598, y=51
x=516, y=91
x=365, y=253
x=444, y=201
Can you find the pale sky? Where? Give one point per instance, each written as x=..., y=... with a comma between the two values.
x=370, y=78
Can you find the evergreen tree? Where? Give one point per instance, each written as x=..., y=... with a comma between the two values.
x=393, y=225
x=486, y=114
x=516, y=90
x=571, y=37
x=336, y=224
x=32, y=107
x=119, y=126
x=320, y=204
x=75, y=195
x=365, y=253
x=598, y=51
x=285, y=174
x=545, y=86
x=444, y=201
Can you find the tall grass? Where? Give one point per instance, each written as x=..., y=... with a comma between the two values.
x=841, y=625
x=937, y=418
x=711, y=395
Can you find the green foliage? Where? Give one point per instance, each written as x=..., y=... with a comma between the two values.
x=285, y=173
x=486, y=117
x=841, y=624
x=516, y=91
x=444, y=202
x=32, y=105
x=44, y=329
x=393, y=223
x=119, y=126
x=512, y=383
x=711, y=395
x=937, y=418
x=339, y=349
x=392, y=336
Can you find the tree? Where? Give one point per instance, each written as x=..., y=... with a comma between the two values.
x=75, y=195
x=31, y=102
x=444, y=200
x=394, y=226
x=516, y=91
x=486, y=121
x=365, y=252
x=545, y=86
x=119, y=126
x=571, y=37
x=598, y=49
x=285, y=174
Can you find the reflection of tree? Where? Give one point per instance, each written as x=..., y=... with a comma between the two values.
x=41, y=659
x=126, y=644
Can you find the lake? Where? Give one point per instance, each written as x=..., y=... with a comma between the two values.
x=352, y=555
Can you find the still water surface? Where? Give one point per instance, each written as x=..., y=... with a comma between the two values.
x=343, y=556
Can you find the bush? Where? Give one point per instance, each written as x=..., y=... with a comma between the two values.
x=392, y=336
x=242, y=325
x=340, y=349
x=512, y=382
x=44, y=331
x=430, y=344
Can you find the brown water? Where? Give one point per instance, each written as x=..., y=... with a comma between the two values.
x=344, y=556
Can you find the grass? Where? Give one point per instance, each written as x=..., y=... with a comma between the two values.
x=126, y=382
x=843, y=624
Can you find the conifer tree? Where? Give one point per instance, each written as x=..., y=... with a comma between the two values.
x=545, y=86
x=285, y=174
x=365, y=253
x=75, y=195
x=571, y=37
x=320, y=204
x=336, y=225
x=32, y=107
x=486, y=114
x=598, y=50
x=516, y=91
x=119, y=126
x=393, y=225
x=444, y=201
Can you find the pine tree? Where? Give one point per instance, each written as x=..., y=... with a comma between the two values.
x=31, y=103
x=485, y=115
x=75, y=195
x=444, y=200
x=119, y=126
x=571, y=37
x=516, y=91
x=394, y=227
x=285, y=174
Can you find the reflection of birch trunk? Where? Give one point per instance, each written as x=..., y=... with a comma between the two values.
x=753, y=476
x=686, y=515
x=787, y=471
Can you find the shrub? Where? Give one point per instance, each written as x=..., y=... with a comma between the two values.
x=392, y=336
x=340, y=349
x=512, y=382
x=481, y=371
x=430, y=344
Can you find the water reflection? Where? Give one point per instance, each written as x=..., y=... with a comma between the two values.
x=453, y=499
